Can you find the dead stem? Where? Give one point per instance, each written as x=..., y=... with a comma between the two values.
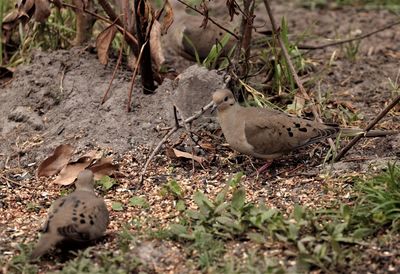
x=128, y=107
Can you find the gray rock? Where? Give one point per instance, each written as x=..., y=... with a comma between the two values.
x=193, y=89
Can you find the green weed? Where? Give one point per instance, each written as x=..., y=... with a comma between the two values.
x=378, y=204
x=20, y=263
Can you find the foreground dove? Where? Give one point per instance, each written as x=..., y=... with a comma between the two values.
x=268, y=134
x=81, y=216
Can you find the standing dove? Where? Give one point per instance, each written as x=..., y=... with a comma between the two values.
x=81, y=216
x=268, y=134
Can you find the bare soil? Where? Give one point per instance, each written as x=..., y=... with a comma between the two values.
x=55, y=99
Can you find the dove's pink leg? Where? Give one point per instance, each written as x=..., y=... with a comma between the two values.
x=267, y=164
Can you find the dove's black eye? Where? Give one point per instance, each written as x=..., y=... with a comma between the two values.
x=226, y=98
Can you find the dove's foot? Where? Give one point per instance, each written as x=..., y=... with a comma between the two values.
x=265, y=167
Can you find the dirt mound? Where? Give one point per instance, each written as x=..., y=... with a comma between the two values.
x=56, y=99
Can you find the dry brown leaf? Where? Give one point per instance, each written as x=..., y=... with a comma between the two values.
x=146, y=15
x=182, y=154
x=103, y=43
x=232, y=7
x=69, y=173
x=155, y=45
x=207, y=146
x=53, y=164
x=42, y=10
x=168, y=17
x=103, y=167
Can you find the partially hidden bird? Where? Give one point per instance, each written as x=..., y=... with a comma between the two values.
x=81, y=216
x=268, y=134
x=190, y=39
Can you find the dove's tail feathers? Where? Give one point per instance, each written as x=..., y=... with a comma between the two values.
x=371, y=133
x=46, y=242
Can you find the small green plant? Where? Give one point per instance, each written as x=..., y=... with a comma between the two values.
x=173, y=188
x=106, y=183
x=211, y=60
x=378, y=205
x=138, y=201
x=125, y=238
x=226, y=217
x=33, y=207
x=394, y=84
x=88, y=261
x=117, y=206
x=351, y=50
x=20, y=263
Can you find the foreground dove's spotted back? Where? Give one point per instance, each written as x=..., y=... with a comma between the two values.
x=267, y=134
x=81, y=216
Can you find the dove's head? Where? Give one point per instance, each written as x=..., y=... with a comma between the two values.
x=85, y=180
x=223, y=99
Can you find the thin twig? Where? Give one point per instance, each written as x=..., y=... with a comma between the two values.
x=292, y=69
x=176, y=119
x=13, y=182
x=110, y=12
x=368, y=128
x=115, y=69
x=189, y=134
x=246, y=28
x=360, y=37
x=128, y=107
x=209, y=18
x=172, y=131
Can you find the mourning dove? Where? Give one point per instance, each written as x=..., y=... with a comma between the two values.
x=81, y=216
x=268, y=134
x=189, y=38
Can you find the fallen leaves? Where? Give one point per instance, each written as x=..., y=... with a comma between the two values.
x=175, y=153
x=60, y=163
x=168, y=17
x=69, y=173
x=53, y=164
